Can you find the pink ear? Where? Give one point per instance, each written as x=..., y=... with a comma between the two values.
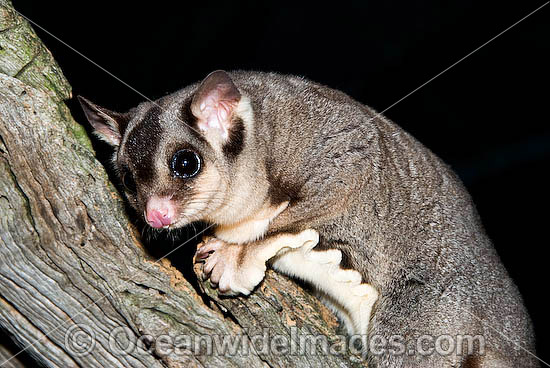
x=214, y=102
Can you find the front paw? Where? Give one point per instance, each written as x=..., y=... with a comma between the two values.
x=232, y=267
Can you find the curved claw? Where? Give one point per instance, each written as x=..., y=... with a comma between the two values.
x=207, y=249
x=209, y=265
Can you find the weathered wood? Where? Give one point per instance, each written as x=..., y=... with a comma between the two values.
x=71, y=261
x=6, y=356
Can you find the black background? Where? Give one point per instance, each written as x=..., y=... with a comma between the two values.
x=487, y=116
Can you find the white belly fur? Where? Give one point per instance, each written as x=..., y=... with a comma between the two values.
x=250, y=229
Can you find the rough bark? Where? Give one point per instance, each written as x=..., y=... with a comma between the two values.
x=6, y=355
x=72, y=267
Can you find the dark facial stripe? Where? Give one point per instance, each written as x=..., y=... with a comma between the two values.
x=186, y=115
x=187, y=118
x=142, y=144
x=235, y=142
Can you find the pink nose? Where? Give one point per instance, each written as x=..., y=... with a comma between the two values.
x=159, y=212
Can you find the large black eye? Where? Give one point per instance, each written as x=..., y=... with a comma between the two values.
x=185, y=164
x=129, y=182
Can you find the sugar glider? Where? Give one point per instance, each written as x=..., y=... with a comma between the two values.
x=324, y=189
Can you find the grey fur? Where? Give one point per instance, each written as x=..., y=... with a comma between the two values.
x=400, y=216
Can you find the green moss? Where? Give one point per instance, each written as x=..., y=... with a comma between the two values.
x=77, y=130
x=24, y=57
x=80, y=135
